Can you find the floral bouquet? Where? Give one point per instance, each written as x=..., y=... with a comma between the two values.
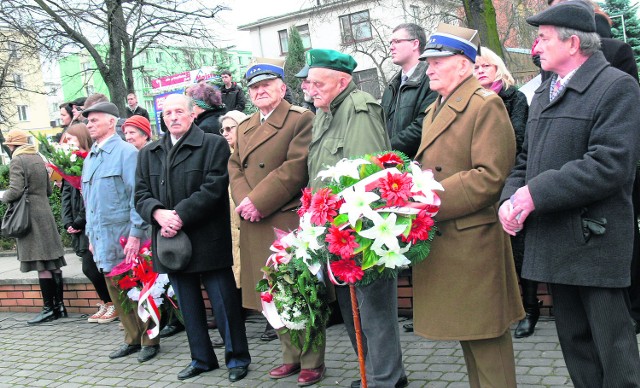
x=373, y=217
x=140, y=284
x=293, y=297
x=65, y=159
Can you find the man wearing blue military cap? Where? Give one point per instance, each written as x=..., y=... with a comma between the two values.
x=350, y=123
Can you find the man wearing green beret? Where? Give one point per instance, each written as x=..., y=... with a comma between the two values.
x=349, y=123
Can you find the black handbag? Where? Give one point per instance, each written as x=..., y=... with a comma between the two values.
x=15, y=222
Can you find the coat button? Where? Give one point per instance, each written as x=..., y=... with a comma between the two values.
x=438, y=233
x=438, y=168
x=261, y=165
x=245, y=165
x=162, y=182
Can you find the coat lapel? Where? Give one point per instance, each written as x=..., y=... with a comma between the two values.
x=262, y=133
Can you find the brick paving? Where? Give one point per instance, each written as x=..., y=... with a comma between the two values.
x=71, y=352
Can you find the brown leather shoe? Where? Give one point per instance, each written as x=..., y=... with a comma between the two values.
x=284, y=370
x=311, y=376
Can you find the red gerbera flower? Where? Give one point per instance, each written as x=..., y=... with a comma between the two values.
x=266, y=296
x=420, y=228
x=127, y=283
x=82, y=154
x=324, y=206
x=305, y=201
x=395, y=189
x=347, y=270
x=341, y=242
x=390, y=160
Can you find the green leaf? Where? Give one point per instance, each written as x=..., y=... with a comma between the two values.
x=369, y=259
x=341, y=220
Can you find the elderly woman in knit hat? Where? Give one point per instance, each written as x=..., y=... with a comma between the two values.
x=137, y=131
x=208, y=107
x=41, y=248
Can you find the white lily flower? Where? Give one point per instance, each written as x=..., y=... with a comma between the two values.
x=424, y=181
x=309, y=234
x=384, y=231
x=392, y=258
x=356, y=203
x=344, y=167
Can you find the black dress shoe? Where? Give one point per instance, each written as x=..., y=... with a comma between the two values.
x=191, y=371
x=269, y=335
x=238, y=373
x=408, y=327
x=170, y=330
x=124, y=351
x=148, y=352
x=217, y=343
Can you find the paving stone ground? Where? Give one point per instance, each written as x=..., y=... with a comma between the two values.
x=71, y=352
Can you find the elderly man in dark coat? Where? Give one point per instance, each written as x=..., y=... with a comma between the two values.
x=571, y=191
x=181, y=190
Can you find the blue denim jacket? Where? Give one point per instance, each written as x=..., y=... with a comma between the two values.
x=108, y=183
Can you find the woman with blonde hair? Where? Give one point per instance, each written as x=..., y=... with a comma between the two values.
x=492, y=73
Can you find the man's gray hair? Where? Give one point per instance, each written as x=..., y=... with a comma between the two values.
x=589, y=41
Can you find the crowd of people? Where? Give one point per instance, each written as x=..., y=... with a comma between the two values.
x=532, y=193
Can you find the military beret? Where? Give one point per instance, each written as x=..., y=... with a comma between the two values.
x=263, y=69
x=450, y=40
x=331, y=59
x=570, y=14
x=304, y=72
x=105, y=107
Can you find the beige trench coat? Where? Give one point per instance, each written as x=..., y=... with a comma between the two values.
x=467, y=288
x=269, y=165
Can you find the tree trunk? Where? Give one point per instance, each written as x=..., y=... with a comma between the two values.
x=113, y=76
x=481, y=16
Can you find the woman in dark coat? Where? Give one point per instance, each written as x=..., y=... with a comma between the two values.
x=209, y=107
x=73, y=219
x=41, y=249
x=492, y=73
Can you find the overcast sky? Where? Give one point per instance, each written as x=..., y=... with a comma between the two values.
x=247, y=11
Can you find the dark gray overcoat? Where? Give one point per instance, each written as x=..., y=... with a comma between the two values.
x=193, y=180
x=579, y=160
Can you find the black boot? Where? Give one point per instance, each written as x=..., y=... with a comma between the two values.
x=48, y=289
x=60, y=310
x=527, y=326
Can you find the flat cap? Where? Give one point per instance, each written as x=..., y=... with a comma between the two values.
x=451, y=40
x=331, y=59
x=173, y=253
x=303, y=73
x=570, y=14
x=79, y=101
x=105, y=107
x=263, y=69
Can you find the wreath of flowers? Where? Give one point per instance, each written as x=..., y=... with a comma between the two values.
x=372, y=218
x=142, y=289
x=65, y=159
x=293, y=297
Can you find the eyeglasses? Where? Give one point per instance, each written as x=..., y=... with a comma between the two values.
x=396, y=41
x=227, y=129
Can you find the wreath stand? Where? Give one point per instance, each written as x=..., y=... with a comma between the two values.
x=358, y=329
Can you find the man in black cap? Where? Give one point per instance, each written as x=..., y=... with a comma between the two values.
x=108, y=180
x=571, y=190
x=304, y=85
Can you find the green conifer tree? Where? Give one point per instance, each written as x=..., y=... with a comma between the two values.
x=623, y=9
x=295, y=60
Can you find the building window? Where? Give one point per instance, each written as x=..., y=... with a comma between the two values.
x=414, y=13
x=147, y=54
x=283, y=36
x=355, y=27
x=305, y=36
x=17, y=81
x=23, y=112
x=159, y=57
x=367, y=81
